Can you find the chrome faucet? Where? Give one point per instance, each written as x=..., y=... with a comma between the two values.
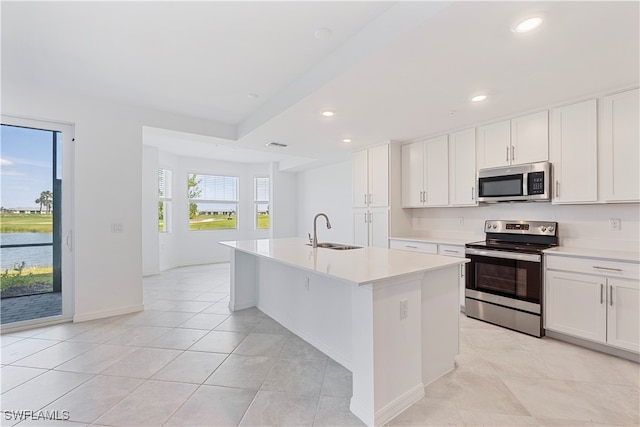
x=314, y=243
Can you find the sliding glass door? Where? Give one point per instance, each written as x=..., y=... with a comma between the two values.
x=35, y=219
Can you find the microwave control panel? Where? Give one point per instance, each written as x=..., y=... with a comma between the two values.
x=536, y=183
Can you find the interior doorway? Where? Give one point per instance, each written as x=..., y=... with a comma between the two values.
x=36, y=260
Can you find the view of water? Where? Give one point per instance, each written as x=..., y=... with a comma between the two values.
x=32, y=256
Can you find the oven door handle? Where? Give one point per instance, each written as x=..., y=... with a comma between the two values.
x=503, y=254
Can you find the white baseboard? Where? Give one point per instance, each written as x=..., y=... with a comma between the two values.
x=391, y=410
x=108, y=313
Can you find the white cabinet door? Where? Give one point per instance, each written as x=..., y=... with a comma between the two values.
x=361, y=227
x=462, y=168
x=413, y=175
x=623, y=325
x=530, y=139
x=379, y=228
x=575, y=304
x=620, y=147
x=494, y=145
x=574, y=152
x=378, y=176
x=437, y=171
x=359, y=179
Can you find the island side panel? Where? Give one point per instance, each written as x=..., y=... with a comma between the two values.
x=440, y=322
x=387, y=365
x=244, y=280
x=314, y=307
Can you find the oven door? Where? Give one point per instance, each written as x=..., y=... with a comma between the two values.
x=507, y=278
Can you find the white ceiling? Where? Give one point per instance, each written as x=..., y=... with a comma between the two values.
x=390, y=70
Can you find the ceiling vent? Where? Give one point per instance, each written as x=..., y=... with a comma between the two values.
x=276, y=144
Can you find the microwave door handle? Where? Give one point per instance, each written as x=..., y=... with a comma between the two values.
x=525, y=184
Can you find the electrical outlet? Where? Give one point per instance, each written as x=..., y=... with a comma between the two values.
x=116, y=228
x=306, y=284
x=404, y=308
x=461, y=220
x=614, y=224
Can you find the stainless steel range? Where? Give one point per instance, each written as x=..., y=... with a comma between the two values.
x=504, y=276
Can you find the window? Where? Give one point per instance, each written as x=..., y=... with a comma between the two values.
x=164, y=200
x=261, y=202
x=213, y=202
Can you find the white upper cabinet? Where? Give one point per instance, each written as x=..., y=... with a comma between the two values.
x=573, y=153
x=512, y=142
x=379, y=176
x=462, y=168
x=437, y=172
x=413, y=175
x=360, y=178
x=425, y=173
x=620, y=151
x=530, y=138
x=370, y=177
x=494, y=145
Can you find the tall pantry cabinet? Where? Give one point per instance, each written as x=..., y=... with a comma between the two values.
x=370, y=185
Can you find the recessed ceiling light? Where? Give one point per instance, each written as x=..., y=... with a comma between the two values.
x=322, y=33
x=527, y=25
x=346, y=140
x=328, y=113
x=253, y=96
x=479, y=98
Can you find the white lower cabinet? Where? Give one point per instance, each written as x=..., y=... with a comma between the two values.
x=595, y=307
x=435, y=248
x=458, y=252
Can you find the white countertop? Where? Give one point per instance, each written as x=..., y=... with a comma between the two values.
x=456, y=241
x=626, y=256
x=362, y=266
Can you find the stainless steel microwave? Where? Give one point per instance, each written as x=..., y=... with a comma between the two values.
x=518, y=183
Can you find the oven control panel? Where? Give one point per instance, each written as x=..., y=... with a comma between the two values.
x=540, y=228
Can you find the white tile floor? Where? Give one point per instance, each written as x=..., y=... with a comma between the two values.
x=187, y=361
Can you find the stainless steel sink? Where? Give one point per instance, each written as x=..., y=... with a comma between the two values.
x=336, y=246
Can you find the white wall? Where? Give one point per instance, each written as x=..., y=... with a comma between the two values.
x=179, y=246
x=150, y=238
x=326, y=189
x=284, y=203
x=578, y=225
x=107, y=188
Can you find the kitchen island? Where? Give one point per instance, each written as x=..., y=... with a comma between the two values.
x=389, y=316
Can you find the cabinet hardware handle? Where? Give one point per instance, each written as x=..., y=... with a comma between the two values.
x=426, y=197
x=370, y=218
x=410, y=246
x=461, y=271
x=611, y=295
x=507, y=153
x=365, y=217
x=513, y=153
x=365, y=199
x=557, y=188
x=607, y=268
x=370, y=198
x=601, y=293
x=452, y=251
x=473, y=193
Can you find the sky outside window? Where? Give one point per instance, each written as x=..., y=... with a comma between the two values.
x=26, y=158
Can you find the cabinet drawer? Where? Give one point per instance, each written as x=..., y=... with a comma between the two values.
x=627, y=270
x=451, y=250
x=408, y=245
